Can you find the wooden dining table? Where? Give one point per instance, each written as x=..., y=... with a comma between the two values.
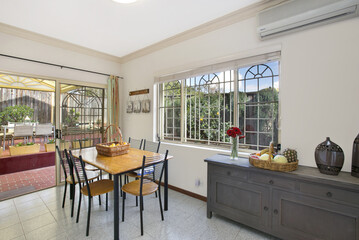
x=119, y=165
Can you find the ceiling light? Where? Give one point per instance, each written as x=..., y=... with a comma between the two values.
x=124, y=1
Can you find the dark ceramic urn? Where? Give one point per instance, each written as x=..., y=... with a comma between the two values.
x=329, y=157
x=355, y=157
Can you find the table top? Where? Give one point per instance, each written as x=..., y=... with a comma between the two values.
x=117, y=164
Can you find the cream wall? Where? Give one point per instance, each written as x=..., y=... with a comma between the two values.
x=319, y=87
x=21, y=47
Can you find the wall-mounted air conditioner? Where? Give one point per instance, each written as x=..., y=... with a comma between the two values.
x=298, y=14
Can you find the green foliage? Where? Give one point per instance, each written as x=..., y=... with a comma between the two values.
x=51, y=141
x=24, y=144
x=16, y=113
x=72, y=118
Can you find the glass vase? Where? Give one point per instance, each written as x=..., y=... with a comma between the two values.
x=234, y=148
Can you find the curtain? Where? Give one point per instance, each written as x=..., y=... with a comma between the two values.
x=113, y=104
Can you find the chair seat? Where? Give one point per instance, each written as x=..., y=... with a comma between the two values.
x=89, y=167
x=133, y=175
x=98, y=187
x=133, y=187
x=90, y=176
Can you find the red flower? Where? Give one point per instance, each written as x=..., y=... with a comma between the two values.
x=237, y=131
x=234, y=132
x=230, y=132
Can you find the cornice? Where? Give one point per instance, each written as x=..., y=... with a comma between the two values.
x=19, y=32
x=213, y=25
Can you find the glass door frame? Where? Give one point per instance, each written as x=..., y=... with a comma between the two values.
x=58, y=115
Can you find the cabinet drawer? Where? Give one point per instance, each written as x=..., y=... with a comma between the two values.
x=271, y=180
x=227, y=171
x=330, y=193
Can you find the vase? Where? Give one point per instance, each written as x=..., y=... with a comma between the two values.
x=234, y=148
x=355, y=157
x=329, y=157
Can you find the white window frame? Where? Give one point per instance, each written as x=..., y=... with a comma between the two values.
x=234, y=65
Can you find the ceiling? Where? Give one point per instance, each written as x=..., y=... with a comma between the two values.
x=113, y=28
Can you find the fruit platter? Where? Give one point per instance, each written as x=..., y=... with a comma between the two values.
x=112, y=148
x=269, y=159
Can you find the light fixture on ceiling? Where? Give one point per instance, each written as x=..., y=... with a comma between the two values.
x=124, y=1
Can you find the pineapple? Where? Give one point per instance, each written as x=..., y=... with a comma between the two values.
x=290, y=154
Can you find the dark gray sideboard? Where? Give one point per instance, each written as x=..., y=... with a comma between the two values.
x=303, y=204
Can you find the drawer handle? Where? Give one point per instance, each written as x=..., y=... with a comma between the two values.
x=271, y=182
x=329, y=194
x=275, y=211
x=229, y=173
x=265, y=208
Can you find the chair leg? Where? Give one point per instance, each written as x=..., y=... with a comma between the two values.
x=121, y=185
x=141, y=214
x=78, y=209
x=136, y=201
x=88, y=217
x=63, y=200
x=123, y=206
x=99, y=199
x=73, y=202
x=159, y=198
x=106, y=201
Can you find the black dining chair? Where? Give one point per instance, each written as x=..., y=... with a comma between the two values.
x=135, y=143
x=70, y=178
x=147, y=184
x=97, y=188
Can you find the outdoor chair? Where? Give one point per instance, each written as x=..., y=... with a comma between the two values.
x=43, y=130
x=70, y=178
x=96, y=188
x=146, y=185
x=22, y=131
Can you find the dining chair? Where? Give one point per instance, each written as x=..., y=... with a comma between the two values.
x=90, y=190
x=70, y=178
x=147, y=146
x=147, y=184
x=22, y=131
x=135, y=143
x=43, y=130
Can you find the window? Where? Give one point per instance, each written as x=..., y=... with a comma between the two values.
x=200, y=108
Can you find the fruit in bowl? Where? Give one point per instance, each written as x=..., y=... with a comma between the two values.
x=280, y=159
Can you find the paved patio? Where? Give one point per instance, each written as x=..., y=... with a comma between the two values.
x=19, y=183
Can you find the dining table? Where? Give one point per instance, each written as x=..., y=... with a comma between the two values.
x=121, y=164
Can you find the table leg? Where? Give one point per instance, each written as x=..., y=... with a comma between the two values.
x=3, y=148
x=116, y=208
x=166, y=187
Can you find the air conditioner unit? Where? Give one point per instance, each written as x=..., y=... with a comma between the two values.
x=299, y=14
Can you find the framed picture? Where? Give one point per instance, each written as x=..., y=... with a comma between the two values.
x=129, y=107
x=146, y=106
x=137, y=106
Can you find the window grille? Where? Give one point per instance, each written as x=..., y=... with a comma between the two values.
x=206, y=105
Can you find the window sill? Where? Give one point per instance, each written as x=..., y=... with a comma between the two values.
x=241, y=152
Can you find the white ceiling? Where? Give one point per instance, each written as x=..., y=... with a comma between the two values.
x=113, y=28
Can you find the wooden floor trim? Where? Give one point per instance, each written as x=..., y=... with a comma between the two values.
x=188, y=193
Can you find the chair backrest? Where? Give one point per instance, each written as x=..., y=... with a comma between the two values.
x=43, y=129
x=81, y=163
x=63, y=164
x=23, y=131
x=151, y=146
x=135, y=143
x=156, y=165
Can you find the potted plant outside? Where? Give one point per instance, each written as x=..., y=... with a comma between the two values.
x=50, y=146
x=23, y=149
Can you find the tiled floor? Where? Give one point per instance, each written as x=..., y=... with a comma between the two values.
x=39, y=216
x=14, y=184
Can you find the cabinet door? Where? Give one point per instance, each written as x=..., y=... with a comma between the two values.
x=240, y=201
x=301, y=217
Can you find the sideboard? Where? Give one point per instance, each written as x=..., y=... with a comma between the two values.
x=303, y=204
